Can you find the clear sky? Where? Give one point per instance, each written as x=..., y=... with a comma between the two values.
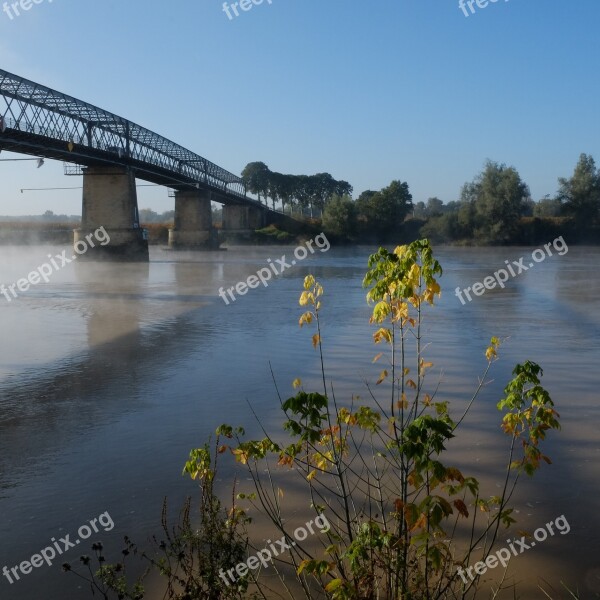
x=370, y=90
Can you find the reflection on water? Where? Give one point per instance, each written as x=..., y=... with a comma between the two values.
x=111, y=373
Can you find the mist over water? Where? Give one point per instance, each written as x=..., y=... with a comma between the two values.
x=111, y=373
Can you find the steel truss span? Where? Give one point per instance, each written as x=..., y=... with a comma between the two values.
x=40, y=121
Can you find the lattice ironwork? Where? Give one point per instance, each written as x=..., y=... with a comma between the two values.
x=37, y=120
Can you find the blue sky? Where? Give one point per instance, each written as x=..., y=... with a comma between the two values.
x=369, y=91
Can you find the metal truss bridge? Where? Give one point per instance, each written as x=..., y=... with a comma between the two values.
x=40, y=121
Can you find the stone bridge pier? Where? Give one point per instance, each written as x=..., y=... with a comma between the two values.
x=110, y=223
x=193, y=221
x=242, y=220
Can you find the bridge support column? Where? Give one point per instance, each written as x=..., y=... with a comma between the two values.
x=243, y=220
x=110, y=202
x=193, y=220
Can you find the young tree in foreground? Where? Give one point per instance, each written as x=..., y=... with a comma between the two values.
x=401, y=520
x=376, y=470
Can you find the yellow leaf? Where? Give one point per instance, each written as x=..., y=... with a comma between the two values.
x=423, y=366
x=403, y=402
x=380, y=312
x=304, y=298
x=403, y=310
x=491, y=353
x=285, y=460
x=297, y=383
x=411, y=478
x=316, y=339
x=378, y=357
x=381, y=335
x=413, y=275
x=382, y=376
x=306, y=318
x=420, y=523
x=302, y=566
x=240, y=456
x=311, y=475
x=333, y=585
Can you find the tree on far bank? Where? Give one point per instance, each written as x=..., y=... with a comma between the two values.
x=256, y=177
x=435, y=207
x=363, y=200
x=420, y=210
x=306, y=191
x=323, y=186
x=339, y=216
x=493, y=203
x=547, y=207
x=385, y=211
x=343, y=188
x=580, y=195
x=529, y=205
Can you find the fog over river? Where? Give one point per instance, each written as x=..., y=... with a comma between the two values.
x=111, y=373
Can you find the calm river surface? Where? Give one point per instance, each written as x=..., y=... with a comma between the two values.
x=110, y=374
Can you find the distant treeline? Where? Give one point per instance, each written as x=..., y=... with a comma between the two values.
x=306, y=194
x=29, y=230
x=47, y=217
x=494, y=208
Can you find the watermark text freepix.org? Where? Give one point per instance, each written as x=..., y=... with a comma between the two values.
x=44, y=271
x=245, y=5
x=266, y=555
x=13, y=9
x=504, y=554
x=266, y=273
x=462, y=4
x=501, y=275
x=50, y=553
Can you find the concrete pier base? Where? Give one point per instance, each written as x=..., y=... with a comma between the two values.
x=127, y=245
x=110, y=224
x=193, y=221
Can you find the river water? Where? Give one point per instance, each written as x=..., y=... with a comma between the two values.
x=110, y=374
